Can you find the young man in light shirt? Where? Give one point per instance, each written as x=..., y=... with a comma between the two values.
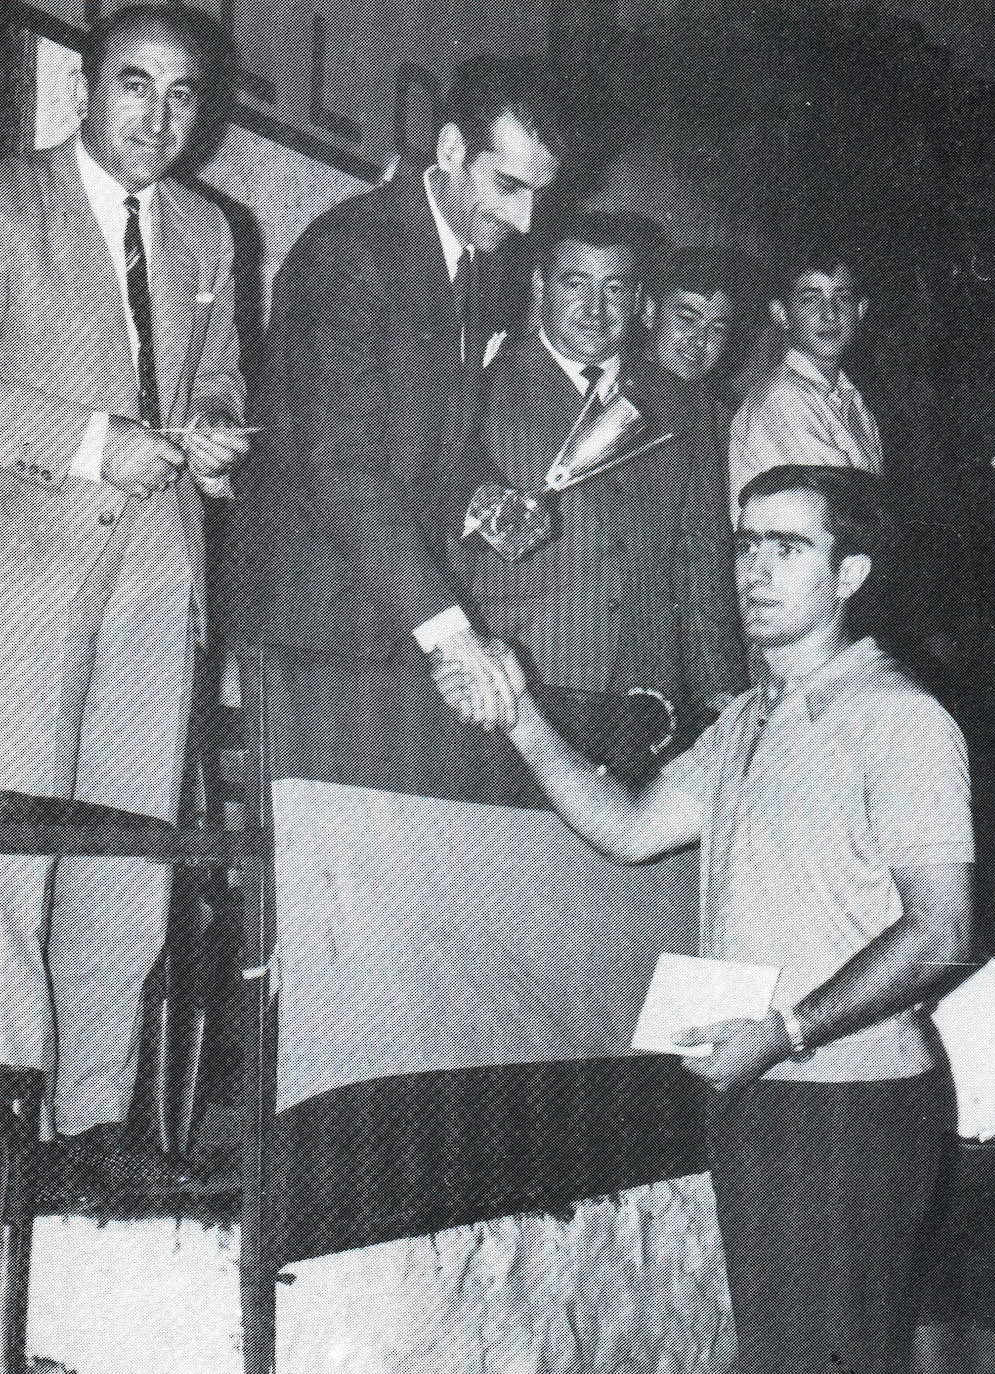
x=833, y=809
x=809, y=411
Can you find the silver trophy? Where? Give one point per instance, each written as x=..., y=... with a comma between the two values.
x=514, y=522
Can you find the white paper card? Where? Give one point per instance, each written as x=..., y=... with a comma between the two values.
x=965, y=1019
x=698, y=992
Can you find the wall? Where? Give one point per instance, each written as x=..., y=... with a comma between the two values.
x=627, y=1286
x=340, y=77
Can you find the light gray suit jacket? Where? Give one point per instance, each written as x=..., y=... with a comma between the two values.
x=64, y=354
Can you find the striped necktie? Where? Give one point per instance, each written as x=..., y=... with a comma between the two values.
x=140, y=303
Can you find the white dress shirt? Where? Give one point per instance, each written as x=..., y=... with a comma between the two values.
x=453, y=620
x=107, y=197
x=799, y=418
x=608, y=380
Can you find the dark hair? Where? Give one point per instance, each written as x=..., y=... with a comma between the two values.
x=703, y=271
x=487, y=87
x=194, y=29
x=826, y=254
x=853, y=508
x=598, y=228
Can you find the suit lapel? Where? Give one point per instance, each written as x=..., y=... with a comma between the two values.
x=180, y=318
x=79, y=253
x=430, y=292
x=548, y=407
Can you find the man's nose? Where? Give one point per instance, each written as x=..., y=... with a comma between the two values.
x=157, y=115
x=754, y=568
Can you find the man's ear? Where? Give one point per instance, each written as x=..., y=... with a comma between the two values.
x=863, y=308
x=649, y=315
x=854, y=572
x=779, y=314
x=451, y=150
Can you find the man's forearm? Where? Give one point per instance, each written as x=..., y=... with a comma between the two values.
x=594, y=804
x=900, y=967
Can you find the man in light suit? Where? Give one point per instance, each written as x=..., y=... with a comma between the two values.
x=119, y=403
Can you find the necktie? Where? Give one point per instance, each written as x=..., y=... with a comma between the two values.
x=592, y=374
x=140, y=303
x=465, y=294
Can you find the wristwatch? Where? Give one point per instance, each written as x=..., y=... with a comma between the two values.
x=800, y=1049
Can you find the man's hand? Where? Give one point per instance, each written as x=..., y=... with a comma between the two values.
x=137, y=460
x=743, y=1050
x=481, y=681
x=213, y=446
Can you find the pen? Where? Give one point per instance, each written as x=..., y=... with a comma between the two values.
x=197, y=429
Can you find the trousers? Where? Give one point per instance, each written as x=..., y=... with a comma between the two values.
x=821, y=1189
x=95, y=700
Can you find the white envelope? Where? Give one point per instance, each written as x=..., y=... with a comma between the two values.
x=685, y=993
x=965, y=1019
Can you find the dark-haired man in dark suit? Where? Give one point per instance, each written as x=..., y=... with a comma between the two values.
x=385, y=316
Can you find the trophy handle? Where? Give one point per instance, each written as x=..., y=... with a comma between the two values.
x=659, y=744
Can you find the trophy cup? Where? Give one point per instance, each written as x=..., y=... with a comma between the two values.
x=514, y=522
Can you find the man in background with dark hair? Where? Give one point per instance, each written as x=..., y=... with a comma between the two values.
x=119, y=404
x=694, y=315
x=833, y=808
x=809, y=411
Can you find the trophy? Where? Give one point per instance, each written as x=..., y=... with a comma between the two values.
x=514, y=522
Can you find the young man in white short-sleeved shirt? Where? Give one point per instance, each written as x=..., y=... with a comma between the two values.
x=832, y=803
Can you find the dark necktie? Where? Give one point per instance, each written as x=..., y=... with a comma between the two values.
x=466, y=296
x=592, y=375
x=140, y=303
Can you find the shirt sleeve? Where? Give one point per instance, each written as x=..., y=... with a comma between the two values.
x=695, y=770
x=431, y=633
x=787, y=426
x=918, y=785
x=89, y=459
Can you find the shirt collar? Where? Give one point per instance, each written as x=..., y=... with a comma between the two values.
x=575, y=371
x=106, y=195
x=820, y=688
x=452, y=249
x=804, y=366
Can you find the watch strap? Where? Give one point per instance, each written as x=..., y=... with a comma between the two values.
x=800, y=1048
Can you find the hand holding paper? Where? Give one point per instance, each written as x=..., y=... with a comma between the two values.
x=716, y=1015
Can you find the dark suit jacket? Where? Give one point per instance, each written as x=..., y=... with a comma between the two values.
x=365, y=406
x=636, y=589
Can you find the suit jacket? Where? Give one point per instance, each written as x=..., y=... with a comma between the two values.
x=365, y=407
x=64, y=354
x=636, y=588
